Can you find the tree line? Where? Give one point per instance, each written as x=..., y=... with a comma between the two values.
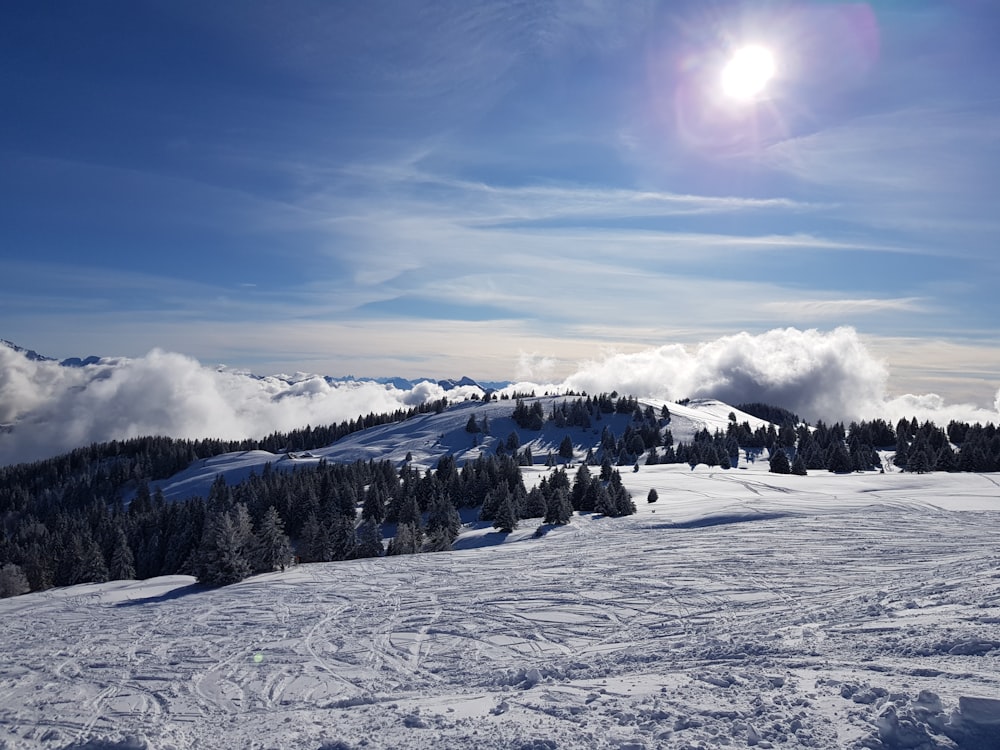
x=319, y=513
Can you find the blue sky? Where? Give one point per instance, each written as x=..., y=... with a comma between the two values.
x=499, y=189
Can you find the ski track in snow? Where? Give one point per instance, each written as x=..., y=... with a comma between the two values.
x=822, y=604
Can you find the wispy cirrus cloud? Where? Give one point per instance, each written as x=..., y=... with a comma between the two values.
x=482, y=202
x=926, y=171
x=833, y=309
x=910, y=150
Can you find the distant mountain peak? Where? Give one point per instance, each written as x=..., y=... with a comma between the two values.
x=34, y=356
x=464, y=381
x=28, y=353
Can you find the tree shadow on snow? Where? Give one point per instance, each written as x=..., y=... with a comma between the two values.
x=166, y=596
x=721, y=520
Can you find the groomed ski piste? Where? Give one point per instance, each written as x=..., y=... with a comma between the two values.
x=741, y=609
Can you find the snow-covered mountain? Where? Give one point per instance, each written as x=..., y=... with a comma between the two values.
x=448, y=384
x=33, y=356
x=403, y=384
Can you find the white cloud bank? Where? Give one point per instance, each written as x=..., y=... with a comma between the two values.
x=54, y=409
x=819, y=375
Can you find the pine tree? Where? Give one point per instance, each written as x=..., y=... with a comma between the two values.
x=407, y=540
x=537, y=418
x=492, y=501
x=342, y=538
x=621, y=500
x=779, y=462
x=813, y=456
x=122, y=566
x=535, y=505
x=373, y=508
x=38, y=566
x=559, y=508
x=599, y=500
x=369, y=536
x=581, y=483
x=243, y=526
x=345, y=501
x=653, y=495
x=443, y=521
x=314, y=542
x=787, y=436
x=799, y=466
x=221, y=557
x=82, y=560
x=220, y=496
x=971, y=457
x=918, y=462
x=13, y=581
x=409, y=510
x=273, y=550
x=902, y=451
x=566, y=448
x=946, y=459
x=606, y=468
x=839, y=460
x=438, y=540
x=506, y=516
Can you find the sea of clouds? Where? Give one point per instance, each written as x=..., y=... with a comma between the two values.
x=48, y=409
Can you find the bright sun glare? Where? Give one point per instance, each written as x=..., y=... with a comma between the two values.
x=747, y=73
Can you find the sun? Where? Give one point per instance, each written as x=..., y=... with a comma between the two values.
x=747, y=73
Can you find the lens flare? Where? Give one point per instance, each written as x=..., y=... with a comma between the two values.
x=747, y=73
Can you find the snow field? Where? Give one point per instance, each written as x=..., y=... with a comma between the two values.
x=742, y=609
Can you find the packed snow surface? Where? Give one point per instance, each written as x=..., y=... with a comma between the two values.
x=742, y=609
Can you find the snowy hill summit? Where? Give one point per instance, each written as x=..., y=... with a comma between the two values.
x=423, y=440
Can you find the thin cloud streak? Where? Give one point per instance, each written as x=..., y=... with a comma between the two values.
x=829, y=309
x=907, y=150
x=494, y=204
x=905, y=171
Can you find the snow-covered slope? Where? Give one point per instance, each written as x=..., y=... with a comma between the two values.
x=742, y=609
x=429, y=436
